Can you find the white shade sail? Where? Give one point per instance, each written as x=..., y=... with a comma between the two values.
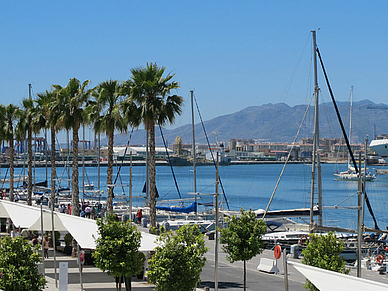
x=147, y=242
x=326, y=280
x=83, y=230
x=21, y=215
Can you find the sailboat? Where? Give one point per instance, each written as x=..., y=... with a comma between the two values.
x=293, y=236
x=351, y=174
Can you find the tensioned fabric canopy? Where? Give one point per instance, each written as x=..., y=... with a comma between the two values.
x=83, y=230
x=326, y=280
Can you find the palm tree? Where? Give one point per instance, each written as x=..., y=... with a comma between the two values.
x=46, y=117
x=23, y=127
x=11, y=113
x=105, y=113
x=150, y=91
x=69, y=106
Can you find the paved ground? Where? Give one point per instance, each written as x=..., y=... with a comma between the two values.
x=93, y=278
x=230, y=275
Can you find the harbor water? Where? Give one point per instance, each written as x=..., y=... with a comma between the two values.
x=246, y=186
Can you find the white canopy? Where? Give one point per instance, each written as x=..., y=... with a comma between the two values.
x=83, y=230
x=21, y=215
x=326, y=280
x=147, y=242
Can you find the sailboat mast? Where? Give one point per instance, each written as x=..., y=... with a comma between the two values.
x=194, y=154
x=315, y=160
x=351, y=113
x=350, y=121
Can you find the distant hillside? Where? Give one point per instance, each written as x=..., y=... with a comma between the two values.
x=278, y=123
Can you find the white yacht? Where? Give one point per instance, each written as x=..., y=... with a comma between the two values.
x=380, y=146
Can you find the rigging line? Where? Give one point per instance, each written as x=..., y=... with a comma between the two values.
x=119, y=175
x=5, y=177
x=65, y=168
x=288, y=85
x=211, y=152
x=121, y=182
x=346, y=138
x=288, y=157
x=346, y=199
x=122, y=162
x=208, y=186
x=169, y=162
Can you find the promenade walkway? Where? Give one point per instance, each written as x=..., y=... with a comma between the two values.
x=93, y=278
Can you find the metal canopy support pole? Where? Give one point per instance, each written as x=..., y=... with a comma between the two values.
x=359, y=220
x=79, y=267
x=53, y=237
x=98, y=169
x=216, y=234
x=45, y=150
x=41, y=229
x=194, y=154
x=285, y=270
x=67, y=162
x=83, y=162
x=147, y=170
x=130, y=185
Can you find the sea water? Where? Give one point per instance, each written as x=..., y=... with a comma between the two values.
x=244, y=186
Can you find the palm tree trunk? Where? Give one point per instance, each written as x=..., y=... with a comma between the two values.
x=53, y=166
x=11, y=170
x=29, y=163
x=74, y=179
x=74, y=174
x=109, y=172
x=152, y=174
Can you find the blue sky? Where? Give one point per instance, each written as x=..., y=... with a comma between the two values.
x=234, y=54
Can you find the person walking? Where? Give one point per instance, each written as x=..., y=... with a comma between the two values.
x=81, y=259
x=35, y=240
x=139, y=216
x=46, y=246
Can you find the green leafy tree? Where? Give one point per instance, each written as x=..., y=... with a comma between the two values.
x=178, y=260
x=323, y=251
x=18, y=266
x=117, y=249
x=242, y=238
x=150, y=91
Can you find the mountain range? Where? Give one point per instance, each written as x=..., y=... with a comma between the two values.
x=276, y=123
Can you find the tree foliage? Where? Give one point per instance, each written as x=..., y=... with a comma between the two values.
x=323, y=251
x=18, y=266
x=178, y=260
x=69, y=104
x=117, y=249
x=242, y=238
x=104, y=112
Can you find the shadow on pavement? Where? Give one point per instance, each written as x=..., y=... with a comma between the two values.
x=221, y=285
